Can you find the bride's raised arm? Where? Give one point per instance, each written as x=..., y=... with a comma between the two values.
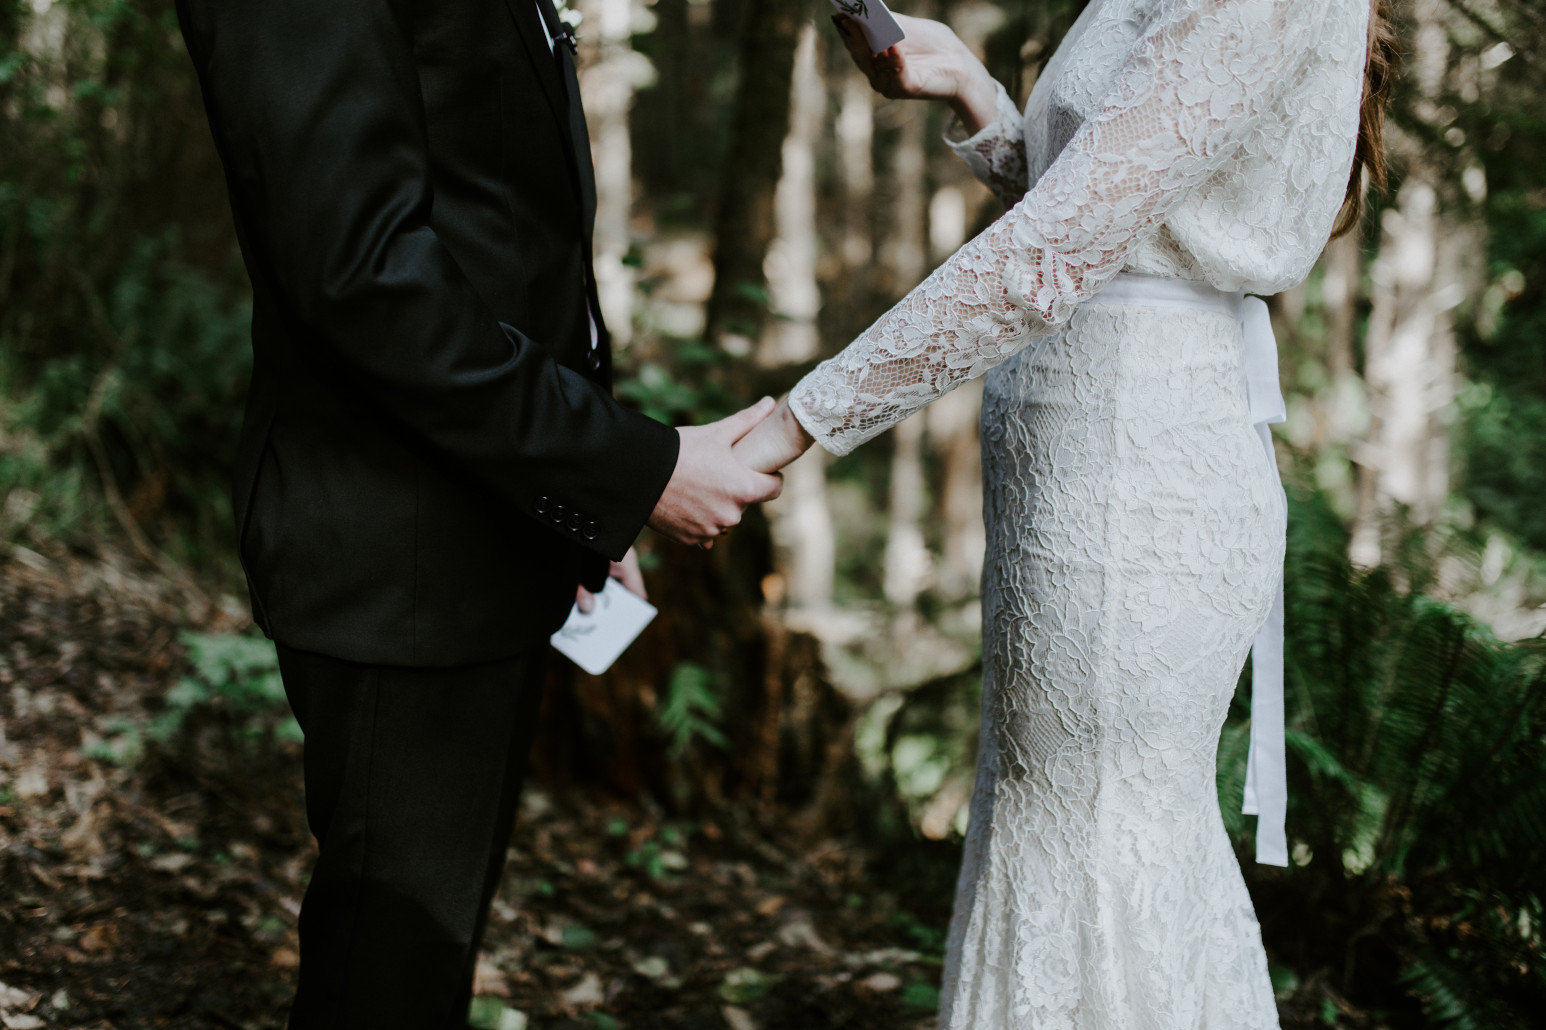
x=1191, y=93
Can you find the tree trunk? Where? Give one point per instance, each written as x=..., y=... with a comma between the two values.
x=802, y=523
x=907, y=558
x=612, y=72
x=743, y=224
x=953, y=422
x=1425, y=259
x=855, y=131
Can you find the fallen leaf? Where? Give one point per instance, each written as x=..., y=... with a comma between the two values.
x=653, y=967
x=771, y=904
x=577, y=937
x=881, y=982
x=82, y=838
x=30, y=783
x=172, y=862
x=101, y=937
x=739, y=1019
x=16, y=998
x=21, y=1021
x=801, y=934
x=587, y=992
x=743, y=985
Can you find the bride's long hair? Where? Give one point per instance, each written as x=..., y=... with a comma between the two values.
x=1378, y=78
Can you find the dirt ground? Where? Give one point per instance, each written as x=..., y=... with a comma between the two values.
x=156, y=883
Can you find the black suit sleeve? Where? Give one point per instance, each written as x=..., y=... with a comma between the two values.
x=315, y=106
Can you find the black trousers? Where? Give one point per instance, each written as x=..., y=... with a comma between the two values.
x=412, y=780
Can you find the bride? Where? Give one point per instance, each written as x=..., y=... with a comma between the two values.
x=1174, y=155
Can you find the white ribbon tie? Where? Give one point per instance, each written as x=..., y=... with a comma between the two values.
x=1266, y=776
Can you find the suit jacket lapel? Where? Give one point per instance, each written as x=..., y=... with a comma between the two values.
x=580, y=138
x=563, y=93
x=524, y=14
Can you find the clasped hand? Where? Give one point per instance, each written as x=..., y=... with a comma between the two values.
x=721, y=468
x=724, y=467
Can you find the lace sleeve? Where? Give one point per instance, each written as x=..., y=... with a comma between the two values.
x=996, y=153
x=1195, y=86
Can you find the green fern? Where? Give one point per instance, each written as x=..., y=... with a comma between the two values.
x=691, y=709
x=1417, y=760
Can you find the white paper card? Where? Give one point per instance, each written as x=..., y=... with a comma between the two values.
x=594, y=641
x=880, y=29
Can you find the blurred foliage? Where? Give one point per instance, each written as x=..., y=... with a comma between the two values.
x=691, y=710
x=123, y=305
x=1495, y=147
x=1417, y=763
x=232, y=686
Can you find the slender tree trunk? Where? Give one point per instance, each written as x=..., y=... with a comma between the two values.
x=612, y=73
x=907, y=558
x=744, y=224
x=801, y=521
x=1339, y=295
x=1425, y=259
x=855, y=130
x=908, y=240
x=953, y=421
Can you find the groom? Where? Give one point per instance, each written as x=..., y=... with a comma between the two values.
x=431, y=460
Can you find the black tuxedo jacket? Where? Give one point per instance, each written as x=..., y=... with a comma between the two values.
x=431, y=457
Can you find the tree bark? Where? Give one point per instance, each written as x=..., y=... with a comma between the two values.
x=1425, y=262
x=612, y=72
x=953, y=422
x=801, y=521
x=744, y=223
x=907, y=558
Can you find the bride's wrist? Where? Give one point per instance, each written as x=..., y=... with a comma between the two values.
x=975, y=102
x=792, y=428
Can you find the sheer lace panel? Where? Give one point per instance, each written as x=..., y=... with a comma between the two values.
x=1195, y=86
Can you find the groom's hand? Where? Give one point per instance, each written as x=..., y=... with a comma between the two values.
x=711, y=488
x=625, y=572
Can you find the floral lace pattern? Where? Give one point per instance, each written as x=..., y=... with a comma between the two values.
x=1135, y=533
x=1206, y=139
x=1135, y=530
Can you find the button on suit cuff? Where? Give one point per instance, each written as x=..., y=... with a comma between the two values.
x=643, y=469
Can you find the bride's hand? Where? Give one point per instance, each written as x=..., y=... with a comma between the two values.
x=774, y=442
x=930, y=64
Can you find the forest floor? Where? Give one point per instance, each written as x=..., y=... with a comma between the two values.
x=156, y=882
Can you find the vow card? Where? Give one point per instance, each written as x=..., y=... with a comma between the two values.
x=594, y=641
x=880, y=29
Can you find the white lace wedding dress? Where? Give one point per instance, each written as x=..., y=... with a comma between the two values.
x=1135, y=527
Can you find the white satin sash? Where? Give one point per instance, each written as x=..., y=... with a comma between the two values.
x=1266, y=778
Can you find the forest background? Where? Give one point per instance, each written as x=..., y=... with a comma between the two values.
x=753, y=821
